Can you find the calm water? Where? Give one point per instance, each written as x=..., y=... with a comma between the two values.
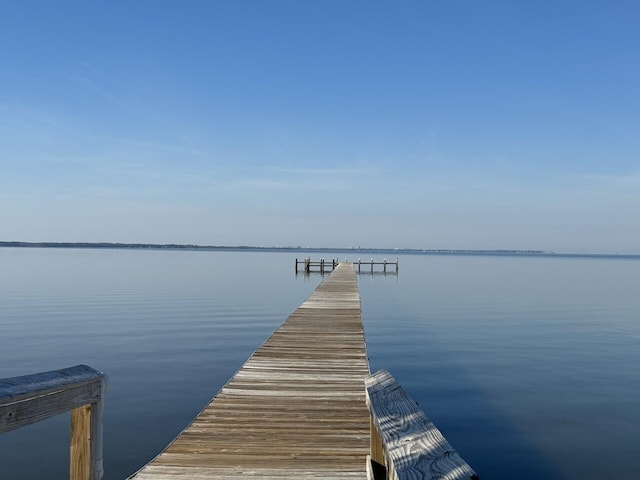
x=528, y=365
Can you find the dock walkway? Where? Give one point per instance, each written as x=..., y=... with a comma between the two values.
x=296, y=409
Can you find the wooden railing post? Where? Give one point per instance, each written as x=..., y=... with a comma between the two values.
x=377, y=451
x=85, y=452
x=80, y=389
x=97, y=411
x=80, y=443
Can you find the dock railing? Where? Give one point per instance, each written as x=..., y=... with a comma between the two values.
x=405, y=444
x=320, y=266
x=323, y=265
x=385, y=263
x=80, y=389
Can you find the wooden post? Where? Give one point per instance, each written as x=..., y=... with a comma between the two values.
x=385, y=265
x=307, y=264
x=97, y=411
x=359, y=262
x=396, y=264
x=296, y=264
x=85, y=451
x=377, y=450
x=372, y=265
x=80, y=444
x=80, y=389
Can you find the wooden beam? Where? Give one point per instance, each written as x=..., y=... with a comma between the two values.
x=412, y=445
x=32, y=398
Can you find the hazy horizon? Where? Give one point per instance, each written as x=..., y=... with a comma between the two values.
x=444, y=250
x=433, y=125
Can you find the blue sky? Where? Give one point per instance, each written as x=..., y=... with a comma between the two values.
x=431, y=124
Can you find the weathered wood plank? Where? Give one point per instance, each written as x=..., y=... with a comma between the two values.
x=205, y=473
x=411, y=444
x=31, y=398
x=296, y=409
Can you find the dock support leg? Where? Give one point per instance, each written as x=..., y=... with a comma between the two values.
x=377, y=450
x=80, y=451
x=85, y=459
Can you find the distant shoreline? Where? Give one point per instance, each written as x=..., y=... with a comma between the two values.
x=392, y=251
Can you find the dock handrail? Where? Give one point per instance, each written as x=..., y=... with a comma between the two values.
x=80, y=389
x=404, y=440
x=323, y=265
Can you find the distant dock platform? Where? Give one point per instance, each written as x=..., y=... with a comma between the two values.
x=308, y=266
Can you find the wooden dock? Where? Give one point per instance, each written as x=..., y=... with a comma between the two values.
x=297, y=407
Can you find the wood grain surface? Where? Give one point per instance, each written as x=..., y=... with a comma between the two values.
x=412, y=446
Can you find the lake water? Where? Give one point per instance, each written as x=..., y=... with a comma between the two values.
x=528, y=365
